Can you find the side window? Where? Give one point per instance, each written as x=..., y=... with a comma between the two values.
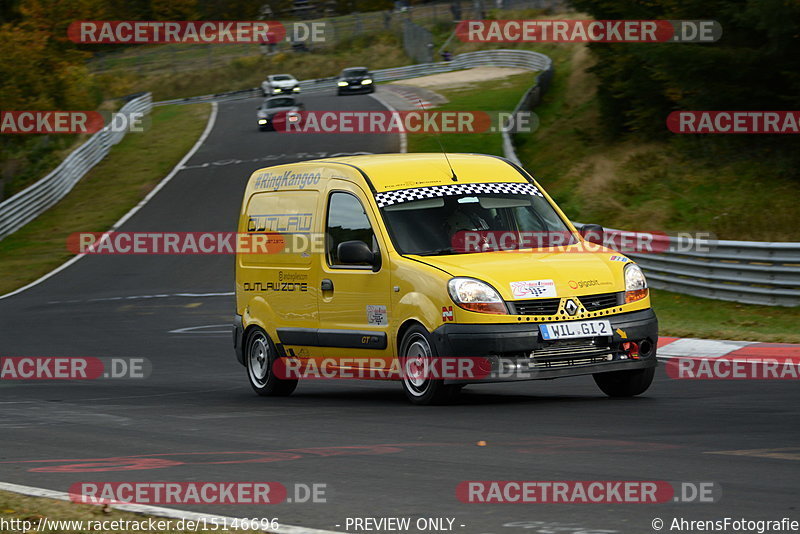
x=347, y=221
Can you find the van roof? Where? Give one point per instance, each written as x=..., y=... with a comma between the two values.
x=389, y=172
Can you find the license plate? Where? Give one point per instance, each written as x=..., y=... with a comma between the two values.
x=574, y=329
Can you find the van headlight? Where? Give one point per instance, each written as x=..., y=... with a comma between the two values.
x=342, y=84
x=635, y=283
x=366, y=82
x=476, y=296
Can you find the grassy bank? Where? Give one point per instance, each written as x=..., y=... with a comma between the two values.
x=102, y=196
x=675, y=185
x=491, y=96
x=175, y=71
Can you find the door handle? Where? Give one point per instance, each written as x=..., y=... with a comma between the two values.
x=327, y=284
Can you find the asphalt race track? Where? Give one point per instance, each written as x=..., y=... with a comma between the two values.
x=196, y=419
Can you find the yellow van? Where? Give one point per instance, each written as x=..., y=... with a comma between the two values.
x=397, y=265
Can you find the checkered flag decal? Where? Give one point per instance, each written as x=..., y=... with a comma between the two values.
x=388, y=198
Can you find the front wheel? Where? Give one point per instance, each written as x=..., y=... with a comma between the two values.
x=260, y=354
x=417, y=358
x=625, y=383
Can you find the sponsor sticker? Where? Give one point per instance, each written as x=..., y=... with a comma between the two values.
x=533, y=289
x=376, y=315
x=447, y=313
x=618, y=258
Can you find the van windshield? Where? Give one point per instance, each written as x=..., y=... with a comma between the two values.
x=468, y=223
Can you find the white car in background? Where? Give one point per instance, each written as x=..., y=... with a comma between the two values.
x=280, y=84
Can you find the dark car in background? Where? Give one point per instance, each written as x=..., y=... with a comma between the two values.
x=278, y=108
x=355, y=80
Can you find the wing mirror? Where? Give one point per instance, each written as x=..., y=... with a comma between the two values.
x=593, y=233
x=357, y=252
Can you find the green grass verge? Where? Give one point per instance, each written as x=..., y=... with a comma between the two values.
x=15, y=508
x=687, y=316
x=115, y=185
x=491, y=96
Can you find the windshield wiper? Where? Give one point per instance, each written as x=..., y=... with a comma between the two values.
x=438, y=252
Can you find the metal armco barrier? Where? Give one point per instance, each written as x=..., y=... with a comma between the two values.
x=29, y=203
x=751, y=272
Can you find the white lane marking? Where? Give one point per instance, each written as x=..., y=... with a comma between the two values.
x=136, y=297
x=157, y=511
x=212, y=119
x=204, y=329
x=403, y=137
x=706, y=348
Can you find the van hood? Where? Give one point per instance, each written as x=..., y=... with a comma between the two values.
x=567, y=273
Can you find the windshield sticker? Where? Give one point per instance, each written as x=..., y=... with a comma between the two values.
x=533, y=289
x=389, y=198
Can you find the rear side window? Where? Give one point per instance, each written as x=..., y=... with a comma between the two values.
x=347, y=221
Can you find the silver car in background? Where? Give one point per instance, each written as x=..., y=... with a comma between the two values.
x=280, y=84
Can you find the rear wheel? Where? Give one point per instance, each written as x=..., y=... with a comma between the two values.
x=260, y=354
x=417, y=357
x=625, y=383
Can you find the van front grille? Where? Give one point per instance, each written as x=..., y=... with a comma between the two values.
x=537, y=306
x=600, y=301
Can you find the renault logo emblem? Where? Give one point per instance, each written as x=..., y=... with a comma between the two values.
x=571, y=307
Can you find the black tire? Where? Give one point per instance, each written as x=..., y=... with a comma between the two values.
x=417, y=344
x=625, y=383
x=259, y=355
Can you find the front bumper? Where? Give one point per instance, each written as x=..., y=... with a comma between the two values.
x=355, y=88
x=518, y=352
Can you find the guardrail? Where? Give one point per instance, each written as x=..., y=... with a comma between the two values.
x=751, y=272
x=29, y=203
x=524, y=59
